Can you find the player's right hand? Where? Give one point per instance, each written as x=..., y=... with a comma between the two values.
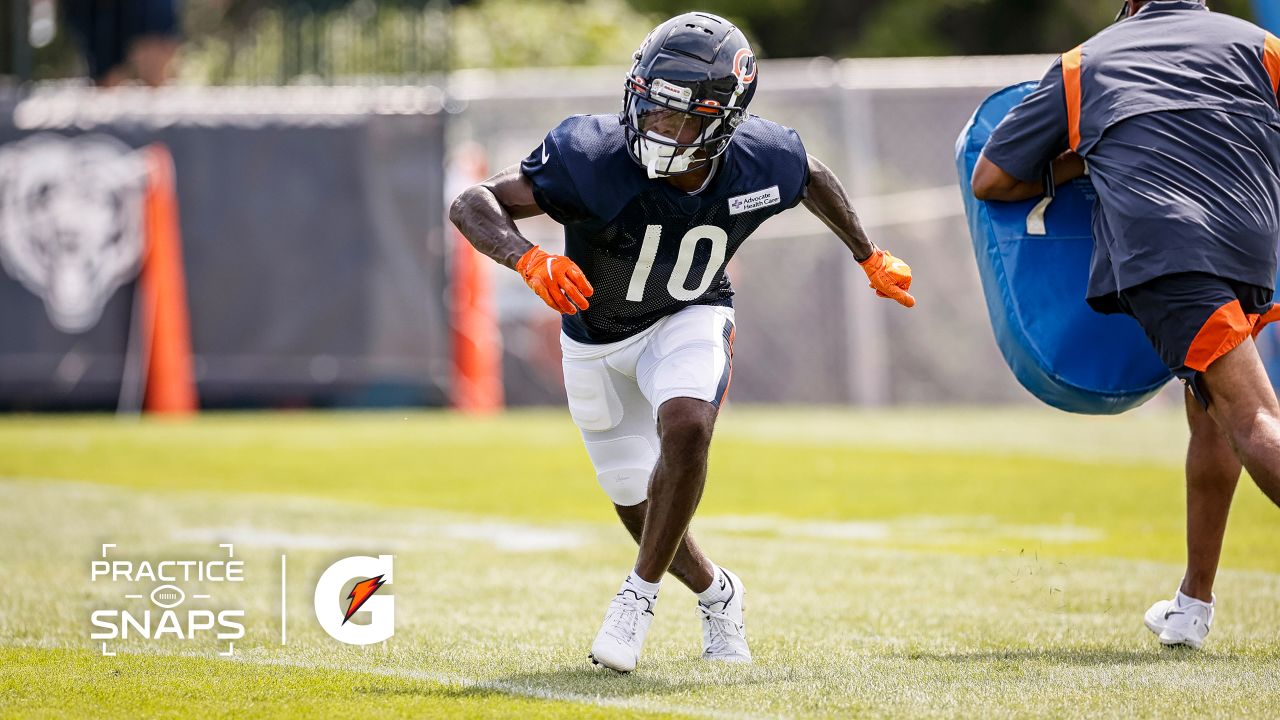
x=556, y=279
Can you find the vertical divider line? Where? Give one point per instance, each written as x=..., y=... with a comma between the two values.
x=284, y=619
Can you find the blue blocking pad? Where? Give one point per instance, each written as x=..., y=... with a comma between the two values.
x=1034, y=271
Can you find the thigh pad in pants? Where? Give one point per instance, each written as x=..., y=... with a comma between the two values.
x=617, y=427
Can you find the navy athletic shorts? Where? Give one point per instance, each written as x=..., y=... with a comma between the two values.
x=1195, y=318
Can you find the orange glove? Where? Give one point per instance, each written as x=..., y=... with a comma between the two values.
x=890, y=277
x=556, y=279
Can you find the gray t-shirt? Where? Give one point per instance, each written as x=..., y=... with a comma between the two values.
x=1178, y=191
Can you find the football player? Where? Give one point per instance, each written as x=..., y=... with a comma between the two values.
x=1174, y=110
x=654, y=202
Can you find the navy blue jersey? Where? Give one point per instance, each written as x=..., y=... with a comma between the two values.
x=648, y=248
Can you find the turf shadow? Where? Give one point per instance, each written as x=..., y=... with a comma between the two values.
x=607, y=683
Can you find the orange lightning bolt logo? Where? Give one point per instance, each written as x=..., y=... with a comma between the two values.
x=360, y=593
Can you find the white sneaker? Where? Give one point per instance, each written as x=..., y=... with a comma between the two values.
x=724, y=636
x=626, y=623
x=1176, y=624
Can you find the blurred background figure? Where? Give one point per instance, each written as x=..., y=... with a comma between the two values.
x=124, y=40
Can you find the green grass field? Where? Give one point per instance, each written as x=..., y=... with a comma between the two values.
x=974, y=563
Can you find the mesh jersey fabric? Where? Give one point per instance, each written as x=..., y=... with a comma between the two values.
x=648, y=248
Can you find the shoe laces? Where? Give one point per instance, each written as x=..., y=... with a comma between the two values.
x=720, y=627
x=624, y=613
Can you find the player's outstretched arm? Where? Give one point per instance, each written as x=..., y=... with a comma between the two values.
x=825, y=197
x=486, y=216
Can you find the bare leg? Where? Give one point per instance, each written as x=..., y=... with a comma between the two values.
x=690, y=565
x=1212, y=473
x=1244, y=405
x=684, y=431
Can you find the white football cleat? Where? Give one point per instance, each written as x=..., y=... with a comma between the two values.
x=1180, y=624
x=724, y=635
x=626, y=623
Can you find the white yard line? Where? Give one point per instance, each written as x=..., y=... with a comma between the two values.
x=416, y=525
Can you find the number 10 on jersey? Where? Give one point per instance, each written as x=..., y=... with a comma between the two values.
x=677, y=284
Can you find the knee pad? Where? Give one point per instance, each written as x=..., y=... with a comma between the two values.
x=623, y=466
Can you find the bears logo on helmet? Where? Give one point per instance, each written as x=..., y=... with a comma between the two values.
x=744, y=65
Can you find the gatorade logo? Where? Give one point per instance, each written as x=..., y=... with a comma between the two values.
x=339, y=603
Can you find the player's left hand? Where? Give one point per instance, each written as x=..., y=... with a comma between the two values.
x=890, y=277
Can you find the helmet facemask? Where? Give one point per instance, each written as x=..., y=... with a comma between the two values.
x=671, y=133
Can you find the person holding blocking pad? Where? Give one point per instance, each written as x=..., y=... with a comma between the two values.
x=1173, y=113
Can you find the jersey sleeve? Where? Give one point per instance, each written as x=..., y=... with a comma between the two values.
x=547, y=167
x=798, y=163
x=1034, y=132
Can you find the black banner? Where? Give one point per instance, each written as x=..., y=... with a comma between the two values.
x=313, y=249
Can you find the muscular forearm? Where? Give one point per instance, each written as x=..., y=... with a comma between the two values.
x=992, y=183
x=826, y=198
x=488, y=226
